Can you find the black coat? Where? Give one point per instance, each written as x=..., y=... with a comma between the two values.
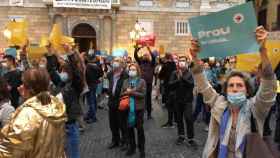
x=182, y=87
x=114, y=99
x=93, y=73
x=71, y=100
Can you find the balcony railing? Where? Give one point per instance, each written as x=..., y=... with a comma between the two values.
x=114, y=2
x=48, y=2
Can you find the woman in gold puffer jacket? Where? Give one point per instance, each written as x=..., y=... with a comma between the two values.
x=36, y=129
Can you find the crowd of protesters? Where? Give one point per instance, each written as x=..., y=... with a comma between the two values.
x=49, y=100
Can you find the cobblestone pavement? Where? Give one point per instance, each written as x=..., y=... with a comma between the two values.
x=160, y=143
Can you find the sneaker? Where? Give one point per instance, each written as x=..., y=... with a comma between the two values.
x=81, y=129
x=150, y=117
x=130, y=152
x=193, y=144
x=206, y=129
x=168, y=125
x=142, y=154
x=180, y=141
x=90, y=121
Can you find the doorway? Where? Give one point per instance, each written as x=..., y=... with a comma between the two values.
x=85, y=37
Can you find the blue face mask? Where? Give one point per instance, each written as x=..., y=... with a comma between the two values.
x=63, y=76
x=116, y=65
x=237, y=99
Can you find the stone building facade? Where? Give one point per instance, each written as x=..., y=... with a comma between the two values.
x=109, y=29
x=268, y=12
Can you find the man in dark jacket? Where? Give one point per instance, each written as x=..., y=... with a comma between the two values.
x=13, y=77
x=116, y=79
x=93, y=73
x=182, y=83
x=168, y=67
x=147, y=64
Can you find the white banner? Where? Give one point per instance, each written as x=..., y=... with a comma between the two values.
x=16, y=2
x=86, y=4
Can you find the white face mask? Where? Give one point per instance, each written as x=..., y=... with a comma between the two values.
x=42, y=66
x=132, y=73
x=5, y=64
x=182, y=64
x=115, y=65
x=63, y=76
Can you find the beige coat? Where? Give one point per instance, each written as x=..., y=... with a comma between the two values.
x=259, y=107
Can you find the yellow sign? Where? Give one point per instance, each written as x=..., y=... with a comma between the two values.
x=57, y=39
x=249, y=62
x=44, y=41
x=278, y=86
x=16, y=33
x=36, y=52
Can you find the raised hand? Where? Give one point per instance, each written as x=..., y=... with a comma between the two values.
x=195, y=48
x=261, y=36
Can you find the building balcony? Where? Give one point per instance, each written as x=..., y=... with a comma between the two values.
x=116, y=3
x=48, y=2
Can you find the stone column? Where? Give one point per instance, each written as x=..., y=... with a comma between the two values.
x=205, y=4
x=101, y=30
x=114, y=32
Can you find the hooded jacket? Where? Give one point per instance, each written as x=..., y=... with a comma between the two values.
x=35, y=131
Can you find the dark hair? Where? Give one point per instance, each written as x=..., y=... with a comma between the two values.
x=75, y=70
x=10, y=58
x=4, y=90
x=37, y=81
x=183, y=57
x=245, y=78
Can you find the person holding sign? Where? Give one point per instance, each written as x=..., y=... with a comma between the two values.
x=231, y=113
x=147, y=64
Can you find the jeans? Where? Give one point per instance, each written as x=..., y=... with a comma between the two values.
x=92, y=103
x=148, y=98
x=184, y=112
x=73, y=140
x=201, y=107
x=277, y=129
x=170, y=105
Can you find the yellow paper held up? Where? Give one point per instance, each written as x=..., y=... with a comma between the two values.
x=249, y=62
x=57, y=39
x=16, y=33
x=44, y=41
x=278, y=86
x=35, y=52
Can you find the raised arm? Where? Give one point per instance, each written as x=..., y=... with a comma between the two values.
x=266, y=94
x=210, y=95
x=136, y=50
x=152, y=56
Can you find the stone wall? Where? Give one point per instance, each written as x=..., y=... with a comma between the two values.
x=38, y=21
